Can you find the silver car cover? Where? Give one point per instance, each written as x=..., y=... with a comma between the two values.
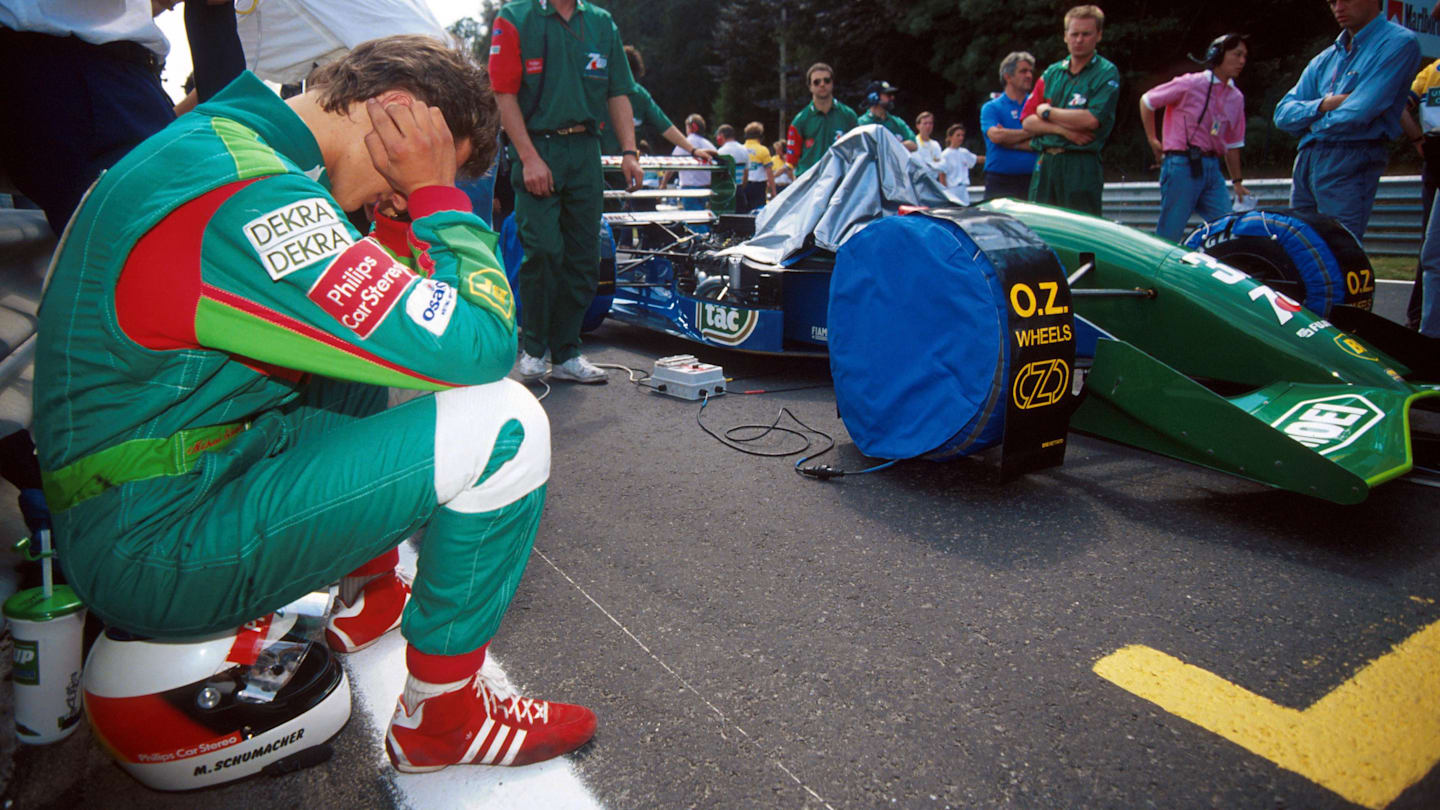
x=867, y=174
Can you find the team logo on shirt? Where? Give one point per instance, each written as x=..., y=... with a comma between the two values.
x=1077, y=100
x=595, y=65
x=361, y=287
x=297, y=235
x=431, y=304
x=489, y=288
x=534, y=65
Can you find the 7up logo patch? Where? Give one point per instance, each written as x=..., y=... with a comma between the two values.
x=1328, y=424
x=729, y=326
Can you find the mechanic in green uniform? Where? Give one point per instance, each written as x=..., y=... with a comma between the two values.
x=1070, y=113
x=646, y=113
x=211, y=369
x=816, y=127
x=559, y=68
x=880, y=96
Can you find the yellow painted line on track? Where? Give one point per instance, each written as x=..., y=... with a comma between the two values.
x=1368, y=740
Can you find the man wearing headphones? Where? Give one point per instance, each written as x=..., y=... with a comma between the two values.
x=880, y=96
x=1204, y=119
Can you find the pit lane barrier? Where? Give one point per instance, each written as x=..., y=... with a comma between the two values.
x=1395, y=224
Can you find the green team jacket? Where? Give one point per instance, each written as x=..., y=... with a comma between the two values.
x=812, y=132
x=1096, y=89
x=644, y=111
x=562, y=73
x=897, y=126
x=208, y=274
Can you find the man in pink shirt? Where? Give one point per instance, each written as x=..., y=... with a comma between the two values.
x=1204, y=119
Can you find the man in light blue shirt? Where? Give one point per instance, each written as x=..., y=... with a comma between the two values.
x=1346, y=106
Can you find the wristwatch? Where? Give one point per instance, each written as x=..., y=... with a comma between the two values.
x=630, y=152
x=1045, y=114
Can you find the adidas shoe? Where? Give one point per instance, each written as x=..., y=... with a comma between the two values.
x=578, y=369
x=483, y=722
x=531, y=367
x=375, y=612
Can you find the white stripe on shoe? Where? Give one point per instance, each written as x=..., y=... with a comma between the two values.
x=514, y=747
x=495, y=746
x=377, y=676
x=479, y=740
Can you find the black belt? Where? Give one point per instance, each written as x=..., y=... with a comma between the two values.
x=123, y=51
x=1183, y=153
x=575, y=129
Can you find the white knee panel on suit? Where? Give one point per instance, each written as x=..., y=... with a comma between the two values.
x=467, y=423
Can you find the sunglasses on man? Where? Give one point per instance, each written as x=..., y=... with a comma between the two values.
x=819, y=80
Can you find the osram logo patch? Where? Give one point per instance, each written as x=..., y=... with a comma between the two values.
x=1041, y=383
x=360, y=287
x=431, y=304
x=297, y=235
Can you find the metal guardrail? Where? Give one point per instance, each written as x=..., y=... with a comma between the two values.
x=1395, y=227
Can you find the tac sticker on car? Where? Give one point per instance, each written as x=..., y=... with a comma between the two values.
x=431, y=304
x=1328, y=424
x=361, y=286
x=728, y=326
x=297, y=235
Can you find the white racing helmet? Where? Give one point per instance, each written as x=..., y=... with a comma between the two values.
x=185, y=715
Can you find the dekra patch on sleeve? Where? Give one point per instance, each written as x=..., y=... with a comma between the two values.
x=297, y=235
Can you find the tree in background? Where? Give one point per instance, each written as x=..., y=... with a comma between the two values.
x=721, y=58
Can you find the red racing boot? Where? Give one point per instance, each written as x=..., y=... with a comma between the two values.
x=483, y=721
x=375, y=612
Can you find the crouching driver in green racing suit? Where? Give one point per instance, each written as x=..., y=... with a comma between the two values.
x=213, y=354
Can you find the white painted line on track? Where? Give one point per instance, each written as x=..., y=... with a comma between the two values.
x=377, y=675
x=677, y=676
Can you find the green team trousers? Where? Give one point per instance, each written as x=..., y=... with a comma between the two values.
x=561, y=236
x=1071, y=180
x=310, y=492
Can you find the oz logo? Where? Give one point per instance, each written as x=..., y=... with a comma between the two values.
x=1041, y=383
x=1329, y=423
x=729, y=326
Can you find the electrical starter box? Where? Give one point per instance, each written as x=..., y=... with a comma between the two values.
x=685, y=377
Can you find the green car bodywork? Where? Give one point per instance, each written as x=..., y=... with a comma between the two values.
x=1199, y=361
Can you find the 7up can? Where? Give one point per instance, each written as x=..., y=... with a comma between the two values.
x=48, y=634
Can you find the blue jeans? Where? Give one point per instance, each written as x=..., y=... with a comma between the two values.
x=1430, y=271
x=1339, y=179
x=1181, y=194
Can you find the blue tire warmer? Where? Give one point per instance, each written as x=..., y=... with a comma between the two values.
x=1309, y=257
x=926, y=346
x=513, y=253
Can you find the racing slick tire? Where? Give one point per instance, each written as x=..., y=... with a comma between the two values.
x=1311, y=258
